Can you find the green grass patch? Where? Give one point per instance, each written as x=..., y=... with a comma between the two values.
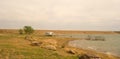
x=6, y=46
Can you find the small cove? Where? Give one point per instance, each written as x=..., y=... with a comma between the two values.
x=111, y=45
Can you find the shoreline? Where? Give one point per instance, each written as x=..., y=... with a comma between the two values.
x=93, y=50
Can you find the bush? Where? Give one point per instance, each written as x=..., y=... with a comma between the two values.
x=28, y=30
x=20, y=31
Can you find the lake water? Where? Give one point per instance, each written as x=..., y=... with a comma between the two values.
x=111, y=45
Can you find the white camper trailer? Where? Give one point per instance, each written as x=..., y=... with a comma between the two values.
x=49, y=33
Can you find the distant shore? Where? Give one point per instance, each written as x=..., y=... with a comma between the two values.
x=61, y=31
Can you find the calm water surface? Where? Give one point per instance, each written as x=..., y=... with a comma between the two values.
x=111, y=45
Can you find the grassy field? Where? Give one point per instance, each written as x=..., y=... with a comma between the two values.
x=14, y=46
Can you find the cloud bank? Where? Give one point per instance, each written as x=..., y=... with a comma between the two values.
x=61, y=14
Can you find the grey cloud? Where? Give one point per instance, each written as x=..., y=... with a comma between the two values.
x=61, y=14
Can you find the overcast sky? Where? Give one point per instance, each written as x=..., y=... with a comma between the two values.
x=61, y=14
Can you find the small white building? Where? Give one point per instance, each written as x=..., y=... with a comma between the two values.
x=49, y=33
